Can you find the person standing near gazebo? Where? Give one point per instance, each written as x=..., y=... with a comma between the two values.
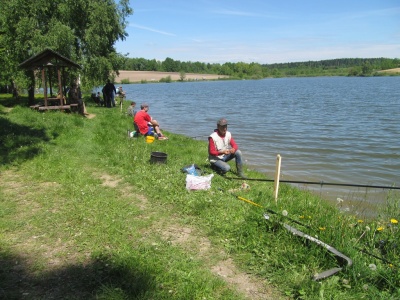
x=109, y=91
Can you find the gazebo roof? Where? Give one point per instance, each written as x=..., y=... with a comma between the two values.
x=48, y=58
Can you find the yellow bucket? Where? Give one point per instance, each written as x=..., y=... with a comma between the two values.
x=150, y=139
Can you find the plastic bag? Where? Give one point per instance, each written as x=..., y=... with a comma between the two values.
x=192, y=170
x=198, y=182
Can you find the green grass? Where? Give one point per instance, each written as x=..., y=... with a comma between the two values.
x=84, y=215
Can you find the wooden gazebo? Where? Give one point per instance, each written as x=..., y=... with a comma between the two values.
x=49, y=60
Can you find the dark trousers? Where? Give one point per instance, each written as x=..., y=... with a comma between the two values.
x=108, y=100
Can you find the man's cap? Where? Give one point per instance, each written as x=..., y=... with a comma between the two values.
x=222, y=122
x=144, y=104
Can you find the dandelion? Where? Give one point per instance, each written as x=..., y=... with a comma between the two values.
x=390, y=265
x=367, y=228
x=301, y=217
x=394, y=221
x=372, y=267
x=380, y=228
x=360, y=221
x=284, y=213
x=339, y=200
x=322, y=228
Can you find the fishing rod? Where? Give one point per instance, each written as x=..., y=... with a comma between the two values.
x=299, y=233
x=322, y=183
x=319, y=242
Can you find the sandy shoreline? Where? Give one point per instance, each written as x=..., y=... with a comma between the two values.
x=395, y=70
x=138, y=76
x=153, y=76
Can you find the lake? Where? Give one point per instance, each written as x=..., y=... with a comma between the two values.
x=330, y=129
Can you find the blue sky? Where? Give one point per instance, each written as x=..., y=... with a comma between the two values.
x=262, y=31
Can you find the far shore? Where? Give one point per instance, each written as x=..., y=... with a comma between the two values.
x=390, y=71
x=153, y=76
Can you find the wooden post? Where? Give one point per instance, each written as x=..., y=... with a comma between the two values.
x=44, y=87
x=277, y=176
x=60, y=87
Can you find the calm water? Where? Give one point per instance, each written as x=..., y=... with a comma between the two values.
x=339, y=130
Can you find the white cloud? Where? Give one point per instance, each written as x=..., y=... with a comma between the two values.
x=151, y=29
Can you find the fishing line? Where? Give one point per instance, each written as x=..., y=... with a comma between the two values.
x=373, y=255
x=199, y=136
x=321, y=183
x=267, y=209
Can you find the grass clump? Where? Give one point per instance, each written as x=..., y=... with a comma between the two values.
x=167, y=79
x=84, y=215
x=125, y=81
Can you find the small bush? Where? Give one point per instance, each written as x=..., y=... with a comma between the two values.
x=167, y=79
x=125, y=81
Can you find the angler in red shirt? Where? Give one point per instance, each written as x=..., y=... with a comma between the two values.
x=146, y=124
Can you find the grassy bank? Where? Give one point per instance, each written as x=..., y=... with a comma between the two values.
x=84, y=215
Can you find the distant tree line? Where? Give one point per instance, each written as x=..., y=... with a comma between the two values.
x=332, y=67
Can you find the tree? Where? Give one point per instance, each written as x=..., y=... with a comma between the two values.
x=182, y=75
x=169, y=65
x=84, y=31
x=366, y=69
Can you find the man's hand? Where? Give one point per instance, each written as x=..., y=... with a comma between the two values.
x=228, y=151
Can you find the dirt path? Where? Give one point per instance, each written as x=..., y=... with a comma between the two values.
x=192, y=241
x=171, y=230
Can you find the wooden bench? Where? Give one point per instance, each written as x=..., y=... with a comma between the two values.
x=73, y=107
x=55, y=107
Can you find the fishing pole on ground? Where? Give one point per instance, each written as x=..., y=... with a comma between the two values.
x=321, y=183
x=299, y=223
x=297, y=232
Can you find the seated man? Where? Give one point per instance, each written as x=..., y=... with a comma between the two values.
x=222, y=148
x=99, y=99
x=146, y=124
